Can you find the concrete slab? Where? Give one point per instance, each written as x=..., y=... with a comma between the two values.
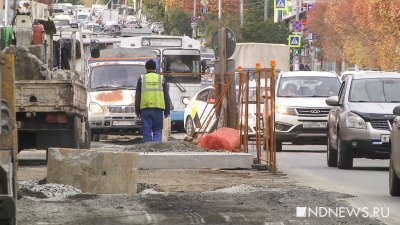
x=195, y=160
x=102, y=172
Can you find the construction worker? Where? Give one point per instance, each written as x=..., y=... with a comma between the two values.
x=152, y=102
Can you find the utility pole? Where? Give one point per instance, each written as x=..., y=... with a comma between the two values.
x=241, y=13
x=194, y=15
x=296, y=58
x=265, y=10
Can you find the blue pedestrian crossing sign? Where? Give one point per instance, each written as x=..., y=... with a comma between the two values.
x=280, y=5
x=294, y=41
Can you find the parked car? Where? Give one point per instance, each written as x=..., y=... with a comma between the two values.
x=197, y=109
x=301, y=112
x=394, y=168
x=360, y=121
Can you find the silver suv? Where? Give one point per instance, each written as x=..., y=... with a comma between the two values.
x=360, y=121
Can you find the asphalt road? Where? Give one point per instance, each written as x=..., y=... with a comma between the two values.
x=367, y=181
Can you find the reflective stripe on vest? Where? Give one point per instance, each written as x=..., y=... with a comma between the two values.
x=152, y=95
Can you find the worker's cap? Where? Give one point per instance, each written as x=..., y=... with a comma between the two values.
x=150, y=65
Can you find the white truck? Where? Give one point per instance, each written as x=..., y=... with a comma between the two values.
x=248, y=54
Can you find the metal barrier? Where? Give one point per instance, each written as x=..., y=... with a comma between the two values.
x=263, y=118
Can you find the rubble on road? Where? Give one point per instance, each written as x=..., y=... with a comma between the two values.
x=241, y=188
x=170, y=146
x=32, y=188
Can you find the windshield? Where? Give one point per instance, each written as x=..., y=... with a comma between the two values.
x=375, y=90
x=115, y=76
x=82, y=17
x=182, y=64
x=312, y=86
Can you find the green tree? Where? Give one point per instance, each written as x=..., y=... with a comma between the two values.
x=177, y=22
x=154, y=10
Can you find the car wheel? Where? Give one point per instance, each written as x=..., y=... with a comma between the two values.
x=189, y=126
x=344, y=160
x=278, y=146
x=394, y=181
x=331, y=155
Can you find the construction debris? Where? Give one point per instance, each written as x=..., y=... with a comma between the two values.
x=32, y=188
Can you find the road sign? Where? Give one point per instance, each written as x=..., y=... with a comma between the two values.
x=280, y=5
x=203, y=10
x=309, y=7
x=294, y=41
x=296, y=25
x=194, y=19
x=230, y=43
x=296, y=52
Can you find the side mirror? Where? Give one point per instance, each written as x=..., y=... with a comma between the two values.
x=185, y=101
x=332, y=101
x=396, y=110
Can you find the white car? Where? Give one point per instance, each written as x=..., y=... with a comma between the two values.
x=197, y=110
x=201, y=105
x=301, y=112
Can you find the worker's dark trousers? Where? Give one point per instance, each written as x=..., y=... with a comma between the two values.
x=152, y=120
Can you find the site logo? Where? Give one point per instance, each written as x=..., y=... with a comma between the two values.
x=342, y=212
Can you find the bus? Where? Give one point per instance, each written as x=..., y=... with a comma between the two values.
x=185, y=81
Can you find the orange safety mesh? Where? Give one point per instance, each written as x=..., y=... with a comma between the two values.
x=222, y=139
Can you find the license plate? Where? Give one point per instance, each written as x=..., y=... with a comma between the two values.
x=385, y=138
x=314, y=125
x=123, y=123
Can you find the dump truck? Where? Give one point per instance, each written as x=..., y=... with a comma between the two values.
x=50, y=86
x=8, y=142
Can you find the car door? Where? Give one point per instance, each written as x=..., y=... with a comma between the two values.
x=200, y=108
x=334, y=116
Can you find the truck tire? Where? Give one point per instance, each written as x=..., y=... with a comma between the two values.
x=76, y=133
x=331, y=154
x=88, y=137
x=394, y=181
x=344, y=159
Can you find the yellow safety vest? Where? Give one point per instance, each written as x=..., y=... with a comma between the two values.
x=152, y=95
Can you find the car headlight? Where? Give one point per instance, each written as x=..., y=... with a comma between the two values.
x=284, y=110
x=355, y=121
x=96, y=108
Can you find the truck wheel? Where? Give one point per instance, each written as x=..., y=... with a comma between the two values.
x=331, y=155
x=88, y=137
x=394, y=181
x=344, y=160
x=278, y=146
x=76, y=132
x=189, y=126
x=95, y=137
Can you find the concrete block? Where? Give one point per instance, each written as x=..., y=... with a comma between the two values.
x=195, y=160
x=102, y=172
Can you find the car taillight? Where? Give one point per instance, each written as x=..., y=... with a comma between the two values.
x=51, y=118
x=62, y=118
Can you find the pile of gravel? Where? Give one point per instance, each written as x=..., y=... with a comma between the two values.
x=33, y=188
x=170, y=146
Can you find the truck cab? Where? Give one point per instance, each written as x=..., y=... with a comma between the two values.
x=112, y=80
